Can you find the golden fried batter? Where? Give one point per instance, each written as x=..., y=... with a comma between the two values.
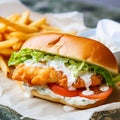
x=95, y=79
x=35, y=75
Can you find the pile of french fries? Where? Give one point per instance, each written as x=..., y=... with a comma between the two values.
x=15, y=30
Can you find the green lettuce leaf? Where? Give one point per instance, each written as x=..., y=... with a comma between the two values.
x=107, y=75
x=23, y=55
x=78, y=67
x=116, y=78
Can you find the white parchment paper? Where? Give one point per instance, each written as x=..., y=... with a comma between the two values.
x=10, y=93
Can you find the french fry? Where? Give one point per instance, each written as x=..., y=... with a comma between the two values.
x=38, y=23
x=50, y=28
x=1, y=37
x=8, y=43
x=15, y=30
x=6, y=36
x=6, y=52
x=23, y=36
x=14, y=17
x=17, y=46
x=4, y=67
x=3, y=28
x=19, y=35
x=24, y=17
x=72, y=32
x=19, y=27
x=10, y=29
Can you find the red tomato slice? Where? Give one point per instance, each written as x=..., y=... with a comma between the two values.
x=99, y=95
x=62, y=91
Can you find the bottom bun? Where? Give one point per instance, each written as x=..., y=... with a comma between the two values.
x=35, y=93
x=60, y=100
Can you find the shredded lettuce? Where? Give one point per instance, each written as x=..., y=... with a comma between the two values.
x=116, y=78
x=78, y=67
x=23, y=55
x=105, y=73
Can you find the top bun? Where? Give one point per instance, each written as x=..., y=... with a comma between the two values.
x=74, y=47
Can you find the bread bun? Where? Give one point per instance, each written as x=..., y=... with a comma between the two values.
x=75, y=47
x=62, y=101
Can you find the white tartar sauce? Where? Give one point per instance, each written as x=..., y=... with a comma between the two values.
x=27, y=93
x=87, y=80
x=59, y=66
x=88, y=92
x=104, y=88
x=68, y=108
x=44, y=90
x=32, y=63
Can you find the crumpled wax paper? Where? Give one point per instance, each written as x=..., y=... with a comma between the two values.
x=10, y=93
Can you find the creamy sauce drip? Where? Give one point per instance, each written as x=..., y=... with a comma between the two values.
x=32, y=63
x=59, y=66
x=104, y=88
x=27, y=93
x=88, y=92
x=68, y=108
x=87, y=80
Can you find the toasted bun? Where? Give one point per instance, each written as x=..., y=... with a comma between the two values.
x=62, y=101
x=75, y=47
